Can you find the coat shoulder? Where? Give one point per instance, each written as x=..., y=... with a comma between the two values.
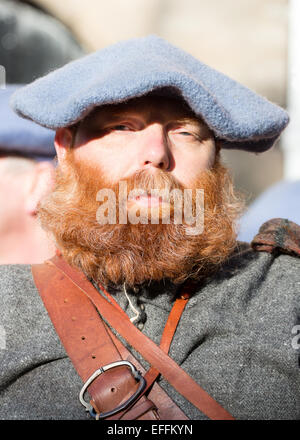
x=15, y=277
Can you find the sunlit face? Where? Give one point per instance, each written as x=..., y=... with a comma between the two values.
x=150, y=133
x=148, y=143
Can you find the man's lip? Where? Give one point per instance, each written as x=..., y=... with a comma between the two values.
x=146, y=200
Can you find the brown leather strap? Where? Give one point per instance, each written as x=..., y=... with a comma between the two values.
x=173, y=318
x=175, y=375
x=169, y=330
x=79, y=327
x=166, y=409
x=66, y=309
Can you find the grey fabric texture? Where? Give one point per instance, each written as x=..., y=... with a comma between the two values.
x=234, y=339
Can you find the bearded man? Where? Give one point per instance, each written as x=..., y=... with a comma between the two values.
x=148, y=272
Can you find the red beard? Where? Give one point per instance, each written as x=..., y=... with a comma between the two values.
x=135, y=253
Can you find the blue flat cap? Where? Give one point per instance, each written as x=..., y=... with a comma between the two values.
x=133, y=68
x=20, y=136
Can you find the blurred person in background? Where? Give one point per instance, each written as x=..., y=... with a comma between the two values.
x=281, y=200
x=32, y=42
x=26, y=175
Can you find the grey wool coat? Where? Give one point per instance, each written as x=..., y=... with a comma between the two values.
x=238, y=338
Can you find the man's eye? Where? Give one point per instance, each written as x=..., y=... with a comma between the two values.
x=121, y=127
x=185, y=133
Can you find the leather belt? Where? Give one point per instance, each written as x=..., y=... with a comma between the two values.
x=74, y=306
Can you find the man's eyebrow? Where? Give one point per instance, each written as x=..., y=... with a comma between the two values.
x=190, y=120
x=204, y=131
x=120, y=114
x=106, y=118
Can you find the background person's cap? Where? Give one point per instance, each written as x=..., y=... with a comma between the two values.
x=133, y=68
x=22, y=137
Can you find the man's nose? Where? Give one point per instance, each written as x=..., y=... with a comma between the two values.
x=154, y=148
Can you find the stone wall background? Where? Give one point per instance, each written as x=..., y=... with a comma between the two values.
x=245, y=39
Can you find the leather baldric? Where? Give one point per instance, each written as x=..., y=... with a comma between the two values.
x=83, y=317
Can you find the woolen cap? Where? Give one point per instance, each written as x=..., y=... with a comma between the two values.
x=133, y=68
x=20, y=136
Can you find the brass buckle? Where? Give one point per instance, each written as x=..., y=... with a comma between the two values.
x=135, y=373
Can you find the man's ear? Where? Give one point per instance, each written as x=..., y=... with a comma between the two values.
x=63, y=141
x=218, y=144
x=42, y=181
